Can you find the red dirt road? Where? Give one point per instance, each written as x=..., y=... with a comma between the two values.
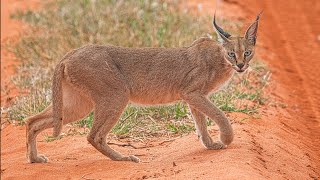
x=283, y=144
x=291, y=43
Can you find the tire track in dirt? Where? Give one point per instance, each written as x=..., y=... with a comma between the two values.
x=290, y=30
x=301, y=51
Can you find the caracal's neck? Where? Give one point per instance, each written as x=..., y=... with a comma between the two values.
x=210, y=56
x=211, y=52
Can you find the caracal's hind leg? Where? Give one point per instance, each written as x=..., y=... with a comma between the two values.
x=75, y=107
x=107, y=112
x=35, y=125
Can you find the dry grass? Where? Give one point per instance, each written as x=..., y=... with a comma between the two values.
x=66, y=25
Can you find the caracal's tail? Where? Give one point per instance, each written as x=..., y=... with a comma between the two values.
x=57, y=99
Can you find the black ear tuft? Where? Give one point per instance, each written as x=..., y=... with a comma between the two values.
x=219, y=29
x=258, y=16
x=223, y=35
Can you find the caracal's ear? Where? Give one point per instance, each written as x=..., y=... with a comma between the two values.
x=251, y=33
x=223, y=36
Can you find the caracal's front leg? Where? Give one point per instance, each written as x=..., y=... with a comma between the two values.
x=201, y=127
x=199, y=103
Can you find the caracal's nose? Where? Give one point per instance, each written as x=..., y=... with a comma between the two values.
x=240, y=65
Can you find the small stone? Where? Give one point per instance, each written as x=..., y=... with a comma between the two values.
x=174, y=164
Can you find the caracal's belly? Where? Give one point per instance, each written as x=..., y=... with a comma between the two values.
x=154, y=97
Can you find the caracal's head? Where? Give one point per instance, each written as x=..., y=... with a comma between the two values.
x=238, y=51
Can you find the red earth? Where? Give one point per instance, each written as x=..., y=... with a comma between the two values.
x=282, y=144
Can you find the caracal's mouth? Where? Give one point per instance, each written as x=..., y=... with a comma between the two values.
x=239, y=70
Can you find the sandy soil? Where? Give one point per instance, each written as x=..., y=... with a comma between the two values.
x=283, y=144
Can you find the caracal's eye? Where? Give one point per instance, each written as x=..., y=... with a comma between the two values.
x=247, y=53
x=231, y=54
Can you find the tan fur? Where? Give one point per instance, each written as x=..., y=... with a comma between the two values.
x=106, y=78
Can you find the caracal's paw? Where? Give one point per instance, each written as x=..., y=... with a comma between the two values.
x=208, y=143
x=128, y=158
x=134, y=159
x=216, y=145
x=38, y=159
x=226, y=138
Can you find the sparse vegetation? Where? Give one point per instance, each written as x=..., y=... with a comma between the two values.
x=71, y=24
x=48, y=138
